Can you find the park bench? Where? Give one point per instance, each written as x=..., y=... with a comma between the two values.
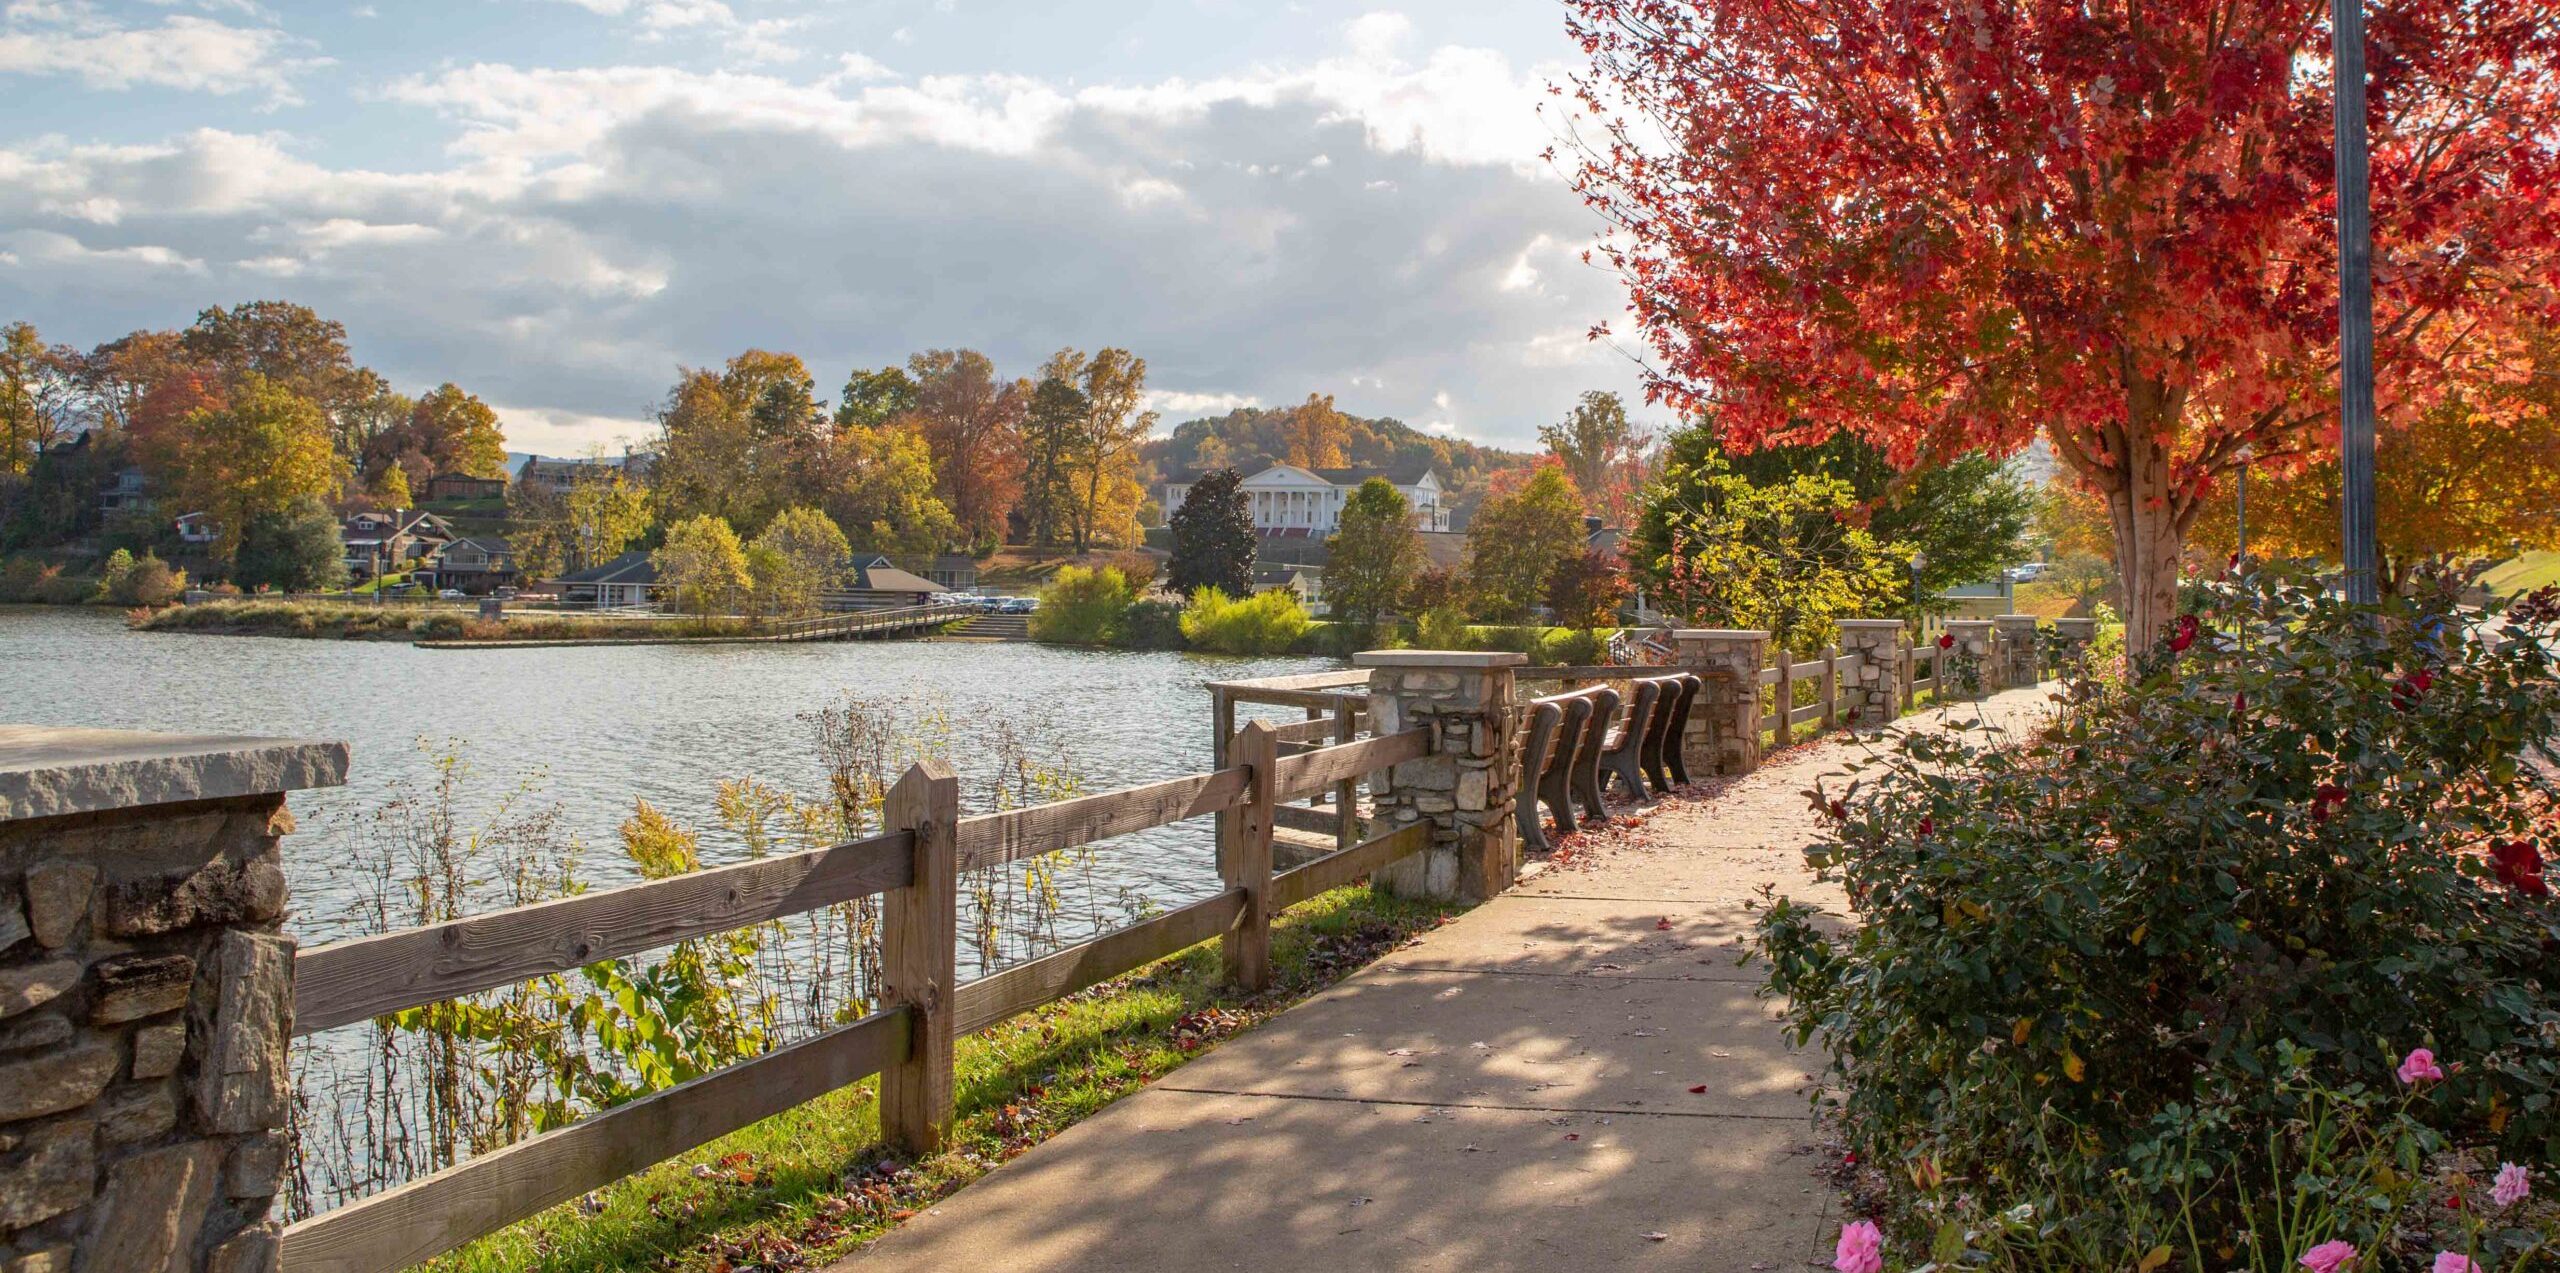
x=1559, y=754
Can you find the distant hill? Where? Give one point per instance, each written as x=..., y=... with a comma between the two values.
x=1251, y=438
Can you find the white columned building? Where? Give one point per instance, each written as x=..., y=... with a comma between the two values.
x=1301, y=502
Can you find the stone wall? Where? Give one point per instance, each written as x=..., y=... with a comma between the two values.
x=146, y=1002
x=1467, y=787
x=2021, y=663
x=1971, y=666
x=1724, y=725
x=1873, y=695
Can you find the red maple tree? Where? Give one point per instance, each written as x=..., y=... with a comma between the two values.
x=1947, y=224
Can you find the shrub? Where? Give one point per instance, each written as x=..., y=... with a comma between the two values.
x=1083, y=607
x=111, y=574
x=1443, y=627
x=146, y=583
x=24, y=579
x=59, y=589
x=2122, y=930
x=1265, y=623
x=1574, y=648
x=1152, y=624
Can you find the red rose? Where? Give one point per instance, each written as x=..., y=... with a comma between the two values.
x=1946, y=640
x=1839, y=812
x=2240, y=703
x=2185, y=635
x=2328, y=801
x=2411, y=688
x=1928, y=827
x=2519, y=867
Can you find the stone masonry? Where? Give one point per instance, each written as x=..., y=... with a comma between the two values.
x=2021, y=663
x=1975, y=649
x=146, y=998
x=1873, y=696
x=2074, y=637
x=1725, y=724
x=1466, y=787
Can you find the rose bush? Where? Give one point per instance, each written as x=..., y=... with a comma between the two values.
x=2273, y=861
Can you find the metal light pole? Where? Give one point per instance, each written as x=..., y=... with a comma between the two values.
x=2355, y=301
x=2241, y=558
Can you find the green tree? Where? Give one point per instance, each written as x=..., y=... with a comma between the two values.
x=1052, y=429
x=1517, y=541
x=798, y=554
x=1783, y=557
x=875, y=398
x=879, y=487
x=1213, y=537
x=703, y=565
x=292, y=550
x=1967, y=518
x=1374, y=556
x=264, y=452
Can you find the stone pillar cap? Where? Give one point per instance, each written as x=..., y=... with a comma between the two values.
x=1439, y=658
x=47, y=772
x=2014, y=618
x=1867, y=623
x=1718, y=634
x=1969, y=623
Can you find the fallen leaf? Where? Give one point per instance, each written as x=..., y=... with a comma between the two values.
x=1662, y=925
x=1657, y=1236
x=1699, y=1090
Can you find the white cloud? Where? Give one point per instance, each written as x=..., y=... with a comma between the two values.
x=589, y=230
x=545, y=431
x=184, y=51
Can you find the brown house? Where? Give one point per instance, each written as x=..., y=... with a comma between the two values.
x=464, y=486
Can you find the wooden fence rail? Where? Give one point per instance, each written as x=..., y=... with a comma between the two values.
x=915, y=866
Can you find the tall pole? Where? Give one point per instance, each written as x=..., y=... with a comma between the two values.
x=2355, y=302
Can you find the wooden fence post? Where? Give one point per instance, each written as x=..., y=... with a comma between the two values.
x=1830, y=688
x=919, y=958
x=1910, y=661
x=1346, y=793
x=1245, y=860
x=1785, y=732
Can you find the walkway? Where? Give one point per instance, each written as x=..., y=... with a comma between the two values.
x=1576, y=1074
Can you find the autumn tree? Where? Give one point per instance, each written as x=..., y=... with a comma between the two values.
x=115, y=376
x=1106, y=459
x=2465, y=482
x=36, y=398
x=1213, y=537
x=874, y=398
x=562, y=532
x=263, y=451
x=1602, y=452
x=1372, y=557
x=732, y=442
x=1783, y=556
x=1586, y=591
x=455, y=432
x=1517, y=541
x=798, y=555
x=1316, y=433
x=703, y=565
x=1945, y=229
x=972, y=422
x=878, y=485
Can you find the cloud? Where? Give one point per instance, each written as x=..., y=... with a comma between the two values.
x=749, y=41
x=1361, y=225
x=184, y=51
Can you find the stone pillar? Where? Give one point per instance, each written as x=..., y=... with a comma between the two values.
x=146, y=997
x=1466, y=787
x=1875, y=695
x=2075, y=637
x=1724, y=727
x=2018, y=662
x=1976, y=647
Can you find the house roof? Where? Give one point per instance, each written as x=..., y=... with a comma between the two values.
x=630, y=567
x=1407, y=474
x=877, y=575
x=490, y=544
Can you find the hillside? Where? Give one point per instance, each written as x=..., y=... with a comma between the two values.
x=1250, y=438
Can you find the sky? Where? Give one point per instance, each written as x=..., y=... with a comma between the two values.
x=558, y=204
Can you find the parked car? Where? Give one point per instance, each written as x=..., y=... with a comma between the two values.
x=1018, y=605
x=450, y=594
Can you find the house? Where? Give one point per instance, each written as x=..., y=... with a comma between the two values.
x=951, y=572
x=628, y=580
x=123, y=492
x=197, y=528
x=476, y=564
x=1306, y=581
x=384, y=542
x=557, y=476
x=1306, y=503
x=879, y=585
x=465, y=486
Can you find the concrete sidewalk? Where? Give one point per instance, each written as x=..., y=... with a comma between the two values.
x=1511, y=1091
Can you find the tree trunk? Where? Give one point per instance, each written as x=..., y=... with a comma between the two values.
x=2150, y=536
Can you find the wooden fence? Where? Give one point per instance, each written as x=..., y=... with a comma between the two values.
x=915, y=865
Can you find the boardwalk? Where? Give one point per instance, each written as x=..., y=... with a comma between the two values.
x=1513, y=1091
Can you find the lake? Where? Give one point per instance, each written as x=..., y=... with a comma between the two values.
x=593, y=728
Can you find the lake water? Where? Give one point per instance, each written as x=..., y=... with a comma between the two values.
x=596, y=727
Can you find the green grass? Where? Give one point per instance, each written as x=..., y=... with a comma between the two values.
x=369, y=621
x=2524, y=574
x=371, y=586
x=814, y=1183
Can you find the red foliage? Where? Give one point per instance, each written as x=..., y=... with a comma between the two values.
x=1945, y=225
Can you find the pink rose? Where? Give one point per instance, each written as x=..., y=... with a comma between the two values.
x=2514, y=1185
x=2419, y=1067
x=2329, y=1257
x=1861, y=1248
x=2456, y=1262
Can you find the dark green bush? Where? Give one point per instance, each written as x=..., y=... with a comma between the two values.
x=2117, y=931
x=1152, y=624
